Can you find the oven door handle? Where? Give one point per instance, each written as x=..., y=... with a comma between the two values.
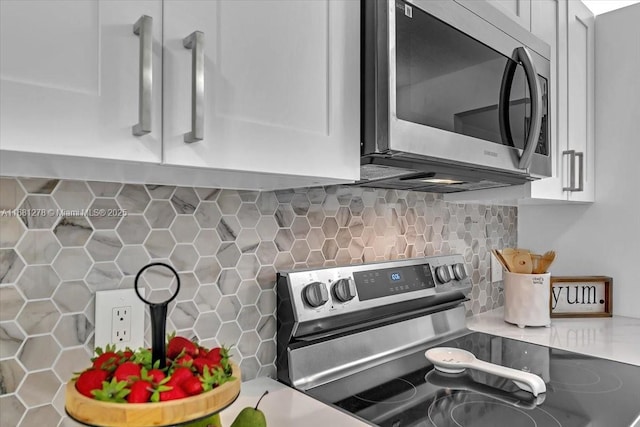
x=521, y=55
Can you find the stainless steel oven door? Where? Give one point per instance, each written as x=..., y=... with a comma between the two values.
x=462, y=90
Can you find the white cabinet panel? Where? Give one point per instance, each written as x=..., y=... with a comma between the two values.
x=548, y=18
x=282, y=91
x=69, y=78
x=270, y=73
x=581, y=119
x=26, y=43
x=518, y=10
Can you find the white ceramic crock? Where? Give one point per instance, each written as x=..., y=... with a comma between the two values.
x=526, y=299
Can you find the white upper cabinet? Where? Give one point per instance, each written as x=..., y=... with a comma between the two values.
x=268, y=90
x=280, y=86
x=581, y=95
x=70, y=78
x=569, y=27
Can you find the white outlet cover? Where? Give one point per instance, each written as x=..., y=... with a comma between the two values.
x=106, y=301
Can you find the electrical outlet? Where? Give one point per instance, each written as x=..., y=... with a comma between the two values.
x=496, y=269
x=121, y=325
x=119, y=319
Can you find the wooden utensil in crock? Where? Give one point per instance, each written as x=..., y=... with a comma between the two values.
x=518, y=260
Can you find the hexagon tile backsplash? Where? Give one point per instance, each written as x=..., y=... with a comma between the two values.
x=61, y=241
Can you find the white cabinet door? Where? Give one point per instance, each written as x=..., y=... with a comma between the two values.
x=569, y=28
x=69, y=78
x=548, y=22
x=281, y=86
x=581, y=118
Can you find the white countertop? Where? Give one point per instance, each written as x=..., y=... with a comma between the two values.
x=286, y=407
x=615, y=338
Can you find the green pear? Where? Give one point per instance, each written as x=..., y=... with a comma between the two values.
x=212, y=421
x=251, y=417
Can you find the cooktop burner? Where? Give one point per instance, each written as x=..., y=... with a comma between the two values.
x=399, y=389
x=581, y=390
x=463, y=408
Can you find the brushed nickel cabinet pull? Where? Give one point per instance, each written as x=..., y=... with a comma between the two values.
x=195, y=42
x=572, y=171
x=143, y=29
x=580, y=186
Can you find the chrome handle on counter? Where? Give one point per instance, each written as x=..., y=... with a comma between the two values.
x=572, y=171
x=195, y=42
x=143, y=28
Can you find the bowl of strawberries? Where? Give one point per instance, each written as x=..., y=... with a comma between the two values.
x=130, y=388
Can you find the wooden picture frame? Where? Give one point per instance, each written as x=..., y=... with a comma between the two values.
x=581, y=296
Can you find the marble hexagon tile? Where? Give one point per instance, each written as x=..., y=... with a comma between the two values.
x=226, y=244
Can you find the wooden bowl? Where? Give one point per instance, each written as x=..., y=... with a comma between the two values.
x=109, y=414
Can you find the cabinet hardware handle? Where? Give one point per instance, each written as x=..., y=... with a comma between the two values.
x=143, y=28
x=195, y=42
x=572, y=171
x=522, y=55
x=580, y=172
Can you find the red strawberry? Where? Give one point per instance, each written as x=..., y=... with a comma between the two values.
x=191, y=386
x=89, y=380
x=184, y=360
x=179, y=375
x=157, y=375
x=178, y=344
x=140, y=392
x=108, y=360
x=201, y=362
x=126, y=371
x=215, y=354
x=173, y=394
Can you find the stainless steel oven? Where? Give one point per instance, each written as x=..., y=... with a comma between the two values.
x=450, y=101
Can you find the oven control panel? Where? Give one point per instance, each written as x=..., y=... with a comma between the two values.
x=392, y=281
x=322, y=293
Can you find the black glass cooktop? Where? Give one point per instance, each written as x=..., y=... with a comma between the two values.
x=581, y=390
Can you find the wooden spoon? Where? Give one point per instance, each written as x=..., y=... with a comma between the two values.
x=546, y=260
x=518, y=260
x=541, y=263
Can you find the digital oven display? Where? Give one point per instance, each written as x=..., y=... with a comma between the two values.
x=392, y=281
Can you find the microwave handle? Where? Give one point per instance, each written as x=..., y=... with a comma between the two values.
x=536, y=106
x=521, y=55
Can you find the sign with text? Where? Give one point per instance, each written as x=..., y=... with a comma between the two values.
x=580, y=296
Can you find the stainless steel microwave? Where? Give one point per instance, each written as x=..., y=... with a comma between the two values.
x=450, y=101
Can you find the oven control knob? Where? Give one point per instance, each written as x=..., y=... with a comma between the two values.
x=442, y=274
x=459, y=272
x=343, y=290
x=315, y=294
